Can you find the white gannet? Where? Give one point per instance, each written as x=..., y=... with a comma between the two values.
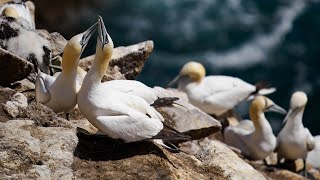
x=294, y=140
x=59, y=93
x=24, y=10
x=254, y=138
x=214, y=95
x=115, y=111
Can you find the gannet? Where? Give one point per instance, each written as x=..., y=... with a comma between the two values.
x=214, y=95
x=59, y=93
x=17, y=38
x=118, y=114
x=24, y=10
x=254, y=138
x=294, y=140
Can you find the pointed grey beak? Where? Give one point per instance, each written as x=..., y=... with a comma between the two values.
x=277, y=109
x=102, y=32
x=86, y=36
x=174, y=81
x=286, y=118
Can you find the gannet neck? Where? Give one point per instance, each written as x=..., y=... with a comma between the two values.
x=261, y=124
x=295, y=118
x=70, y=60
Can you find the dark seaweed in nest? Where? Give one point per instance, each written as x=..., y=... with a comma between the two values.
x=7, y=32
x=46, y=56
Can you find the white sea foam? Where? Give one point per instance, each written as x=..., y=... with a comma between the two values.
x=256, y=50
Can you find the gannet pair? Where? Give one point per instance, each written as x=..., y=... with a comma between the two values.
x=59, y=92
x=214, y=95
x=254, y=138
x=295, y=141
x=24, y=12
x=117, y=108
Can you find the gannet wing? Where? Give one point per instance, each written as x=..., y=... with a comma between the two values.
x=225, y=91
x=310, y=140
x=234, y=136
x=133, y=87
x=247, y=125
x=43, y=82
x=129, y=128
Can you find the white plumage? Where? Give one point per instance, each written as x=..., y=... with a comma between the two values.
x=254, y=138
x=214, y=94
x=115, y=110
x=294, y=140
x=59, y=92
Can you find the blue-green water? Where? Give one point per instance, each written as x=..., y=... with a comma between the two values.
x=275, y=40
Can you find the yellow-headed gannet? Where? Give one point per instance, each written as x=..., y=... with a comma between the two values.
x=254, y=138
x=24, y=10
x=214, y=95
x=294, y=140
x=59, y=93
x=116, y=113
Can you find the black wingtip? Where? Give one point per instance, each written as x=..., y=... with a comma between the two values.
x=165, y=101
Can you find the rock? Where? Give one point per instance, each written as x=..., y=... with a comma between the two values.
x=216, y=155
x=5, y=94
x=13, y=68
x=127, y=62
x=44, y=116
x=17, y=105
x=186, y=118
x=31, y=152
x=57, y=41
x=314, y=156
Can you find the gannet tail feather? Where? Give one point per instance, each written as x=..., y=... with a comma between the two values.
x=267, y=91
x=262, y=88
x=169, y=135
x=164, y=101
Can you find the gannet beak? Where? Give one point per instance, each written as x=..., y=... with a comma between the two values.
x=102, y=32
x=277, y=109
x=86, y=36
x=174, y=81
x=286, y=118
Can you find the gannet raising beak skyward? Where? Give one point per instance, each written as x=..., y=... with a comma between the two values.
x=295, y=141
x=214, y=95
x=118, y=114
x=59, y=93
x=254, y=138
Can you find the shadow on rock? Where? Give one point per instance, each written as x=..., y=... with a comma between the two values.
x=96, y=147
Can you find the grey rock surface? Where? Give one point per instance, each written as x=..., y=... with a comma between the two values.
x=12, y=67
x=127, y=62
x=186, y=118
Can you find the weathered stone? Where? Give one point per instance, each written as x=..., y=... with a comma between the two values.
x=16, y=106
x=314, y=156
x=13, y=68
x=127, y=62
x=31, y=152
x=216, y=155
x=57, y=41
x=186, y=118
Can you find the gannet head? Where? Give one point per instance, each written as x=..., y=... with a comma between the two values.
x=193, y=70
x=104, y=42
x=263, y=104
x=10, y=12
x=299, y=99
x=75, y=47
x=298, y=102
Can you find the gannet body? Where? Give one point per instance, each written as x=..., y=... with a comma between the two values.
x=24, y=10
x=59, y=93
x=118, y=114
x=254, y=138
x=214, y=95
x=314, y=155
x=294, y=140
